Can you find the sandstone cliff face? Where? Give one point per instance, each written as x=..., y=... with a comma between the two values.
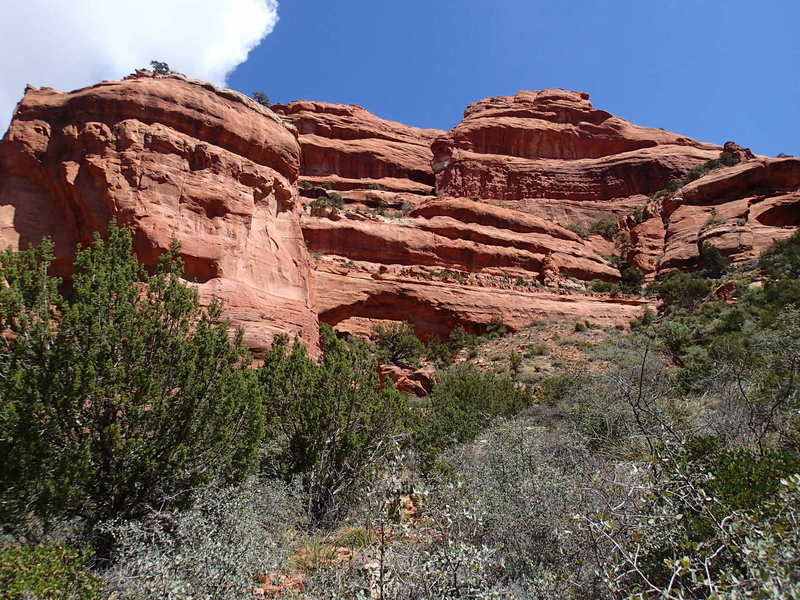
x=741, y=210
x=348, y=148
x=236, y=183
x=553, y=154
x=454, y=261
x=167, y=157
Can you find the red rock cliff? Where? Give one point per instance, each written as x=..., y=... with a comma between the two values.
x=550, y=152
x=167, y=157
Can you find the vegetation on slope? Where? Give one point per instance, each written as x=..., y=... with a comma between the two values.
x=141, y=451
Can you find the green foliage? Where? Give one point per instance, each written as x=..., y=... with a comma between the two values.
x=537, y=349
x=578, y=229
x=160, y=68
x=553, y=389
x=122, y=395
x=515, y=361
x=463, y=402
x=333, y=421
x=46, y=572
x=782, y=261
x=215, y=549
x=604, y=287
x=397, y=344
x=681, y=290
x=714, y=262
x=631, y=280
x=726, y=159
x=331, y=200
x=606, y=227
x=261, y=98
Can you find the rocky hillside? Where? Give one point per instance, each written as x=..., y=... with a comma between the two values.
x=314, y=211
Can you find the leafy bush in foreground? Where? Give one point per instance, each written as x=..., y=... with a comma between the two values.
x=333, y=422
x=121, y=395
x=216, y=549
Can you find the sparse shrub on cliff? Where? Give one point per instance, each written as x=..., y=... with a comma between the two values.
x=631, y=280
x=160, y=68
x=331, y=200
x=578, y=229
x=714, y=262
x=681, y=290
x=261, y=98
x=398, y=344
x=122, y=395
x=604, y=287
x=606, y=227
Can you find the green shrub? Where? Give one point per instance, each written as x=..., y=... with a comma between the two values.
x=332, y=200
x=46, y=572
x=332, y=421
x=124, y=394
x=215, y=549
x=397, y=344
x=631, y=280
x=579, y=229
x=515, y=360
x=538, y=349
x=606, y=227
x=713, y=261
x=463, y=402
x=160, y=68
x=604, y=287
x=555, y=388
x=261, y=98
x=681, y=290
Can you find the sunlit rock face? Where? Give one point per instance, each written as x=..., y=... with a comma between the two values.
x=168, y=157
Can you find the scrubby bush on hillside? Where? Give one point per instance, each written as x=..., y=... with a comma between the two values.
x=332, y=421
x=124, y=394
x=462, y=404
x=46, y=572
x=606, y=227
x=216, y=549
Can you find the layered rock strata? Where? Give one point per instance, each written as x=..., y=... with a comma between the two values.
x=167, y=157
x=345, y=147
x=551, y=153
x=741, y=210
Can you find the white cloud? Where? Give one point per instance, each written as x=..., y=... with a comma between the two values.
x=68, y=44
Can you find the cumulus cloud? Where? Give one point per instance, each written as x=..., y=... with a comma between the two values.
x=68, y=44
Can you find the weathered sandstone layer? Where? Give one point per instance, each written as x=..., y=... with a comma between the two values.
x=167, y=157
x=348, y=148
x=551, y=153
x=741, y=210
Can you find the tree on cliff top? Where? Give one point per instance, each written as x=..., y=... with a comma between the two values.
x=123, y=394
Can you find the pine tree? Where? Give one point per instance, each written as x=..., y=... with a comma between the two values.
x=122, y=394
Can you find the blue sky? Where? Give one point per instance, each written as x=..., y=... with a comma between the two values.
x=713, y=70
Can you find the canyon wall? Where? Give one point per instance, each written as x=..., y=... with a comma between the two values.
x=312, y=211
x=167, y=157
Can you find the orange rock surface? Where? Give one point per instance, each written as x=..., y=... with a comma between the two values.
x=167, y=157
x=550, y=152
x=348, y=147
x=741, y=210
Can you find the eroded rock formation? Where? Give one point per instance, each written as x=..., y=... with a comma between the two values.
x=167, y=157
x=551, y=153
x=741, y=210
x=349, y=148
x=439, y=229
